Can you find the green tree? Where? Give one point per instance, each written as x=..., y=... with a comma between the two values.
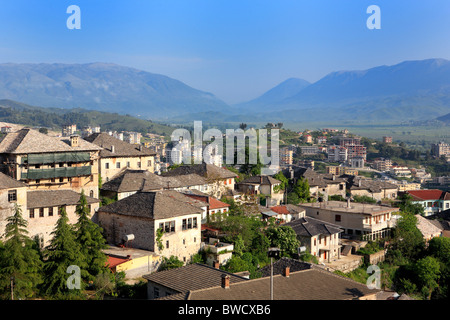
x=19, y=260
x=285, y=238
x=89, y=237
x=428, y=273
x=62, y=252
x=170, y=263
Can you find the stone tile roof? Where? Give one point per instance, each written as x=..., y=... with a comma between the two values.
x=310, y=227
x=191, y=277
x=281, y=264
x=143, y=180
x=155, y=205
x=355, y=207
x=315, y=179
x=121, y=148
x=208, y=171
x=54, y=198
x=309, y=284
x=27, y=140
x=261, y=180
x=361, y=183
x=6, y=182
x=426, y=227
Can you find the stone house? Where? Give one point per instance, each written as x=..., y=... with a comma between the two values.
x=215, y=206
x=283, y=213
x=378, y=190
x=139, y=216
x=50, y=163
x=43, y=211
x=12, y=192
x=320, y=238
x=117, y=155
x=262, y=185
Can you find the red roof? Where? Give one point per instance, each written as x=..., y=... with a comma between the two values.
x=433, y=194
x=280, y=209
x=114, y=261
x=216, y=204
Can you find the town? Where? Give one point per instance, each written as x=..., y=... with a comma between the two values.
x=135, y=222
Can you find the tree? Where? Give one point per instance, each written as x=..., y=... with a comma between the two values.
x=243, y=126
x=407, y=241
x=170, y=263
x=406, y=205
x=62, y=252
x=285, y=238
x=89, y=237
x=428, y=272
x=19, y=260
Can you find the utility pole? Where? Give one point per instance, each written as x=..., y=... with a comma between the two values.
x=12, y=287
x=272, y=253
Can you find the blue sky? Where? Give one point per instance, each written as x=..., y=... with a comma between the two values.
x=236, y=49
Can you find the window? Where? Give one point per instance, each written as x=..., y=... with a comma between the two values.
x=167, y=244
x=337, y=217
x=106, y=165
x=50, y=212
x=195, y=222
x=41, y=212
x=184, y=225
x=128, y=164
x=149, y=163
x=156, y=292
x=139, y=164
x=61, y=179
x=12, y=195
x=189, y=223
x=169, y=226
x=118, y=165
x=31, y=211
x=91, y=193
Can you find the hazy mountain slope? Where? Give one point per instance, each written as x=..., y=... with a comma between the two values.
x=101, y=86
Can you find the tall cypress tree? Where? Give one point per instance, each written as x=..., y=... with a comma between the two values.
x=62, y=252
x=20, y=263
x=89, y=237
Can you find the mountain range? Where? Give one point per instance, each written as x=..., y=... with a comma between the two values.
x=410, y=90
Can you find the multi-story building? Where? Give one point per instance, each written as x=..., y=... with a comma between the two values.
x=51, y=163
x=117, y=155
x=354, y=147
x=309, y=150
x=359, y=220
x=440, y=149
x=286, y=156
x=68, y=130
x=337, y=153
x=387, y=139
x=433, y=200
x=381, y=164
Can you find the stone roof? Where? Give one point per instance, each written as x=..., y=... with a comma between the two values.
x=54, y=198
x=310, y=227
x=121, y=148
x=155, y=205
x=191, y=277
x=375, y=186
x=426, y=227
x=27, y=141
x=281, y=264
x=6, y=182
x=143, y=180
x=208, y=171
x=315, y=179
x=261, y=180
x=309, y=284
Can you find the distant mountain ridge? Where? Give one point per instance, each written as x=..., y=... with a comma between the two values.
x=410, y=90
x=104, y=87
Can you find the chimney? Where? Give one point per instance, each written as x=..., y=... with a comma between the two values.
x=74, y=140
x=286, y=272
x=113, y=149
x=348, y=203
x=216, y=264
x=225, y=281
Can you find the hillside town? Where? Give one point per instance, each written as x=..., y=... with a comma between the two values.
x=211, y=231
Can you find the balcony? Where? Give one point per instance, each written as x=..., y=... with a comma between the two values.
x=64, y=172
